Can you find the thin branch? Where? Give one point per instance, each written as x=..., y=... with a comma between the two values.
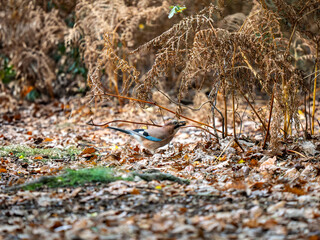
x=222, y=119
x=213, y=107
x=225, y=112
x=233, y=101
x=194, y=109
x=254, y=110
x=157, y=105
x=225, y=148
x=292, y=151
x=239, y=145
x=314, y=91
x=179, y=104
x=90, y=122
x=240, y=120
x=203, y=129
x=269, y=122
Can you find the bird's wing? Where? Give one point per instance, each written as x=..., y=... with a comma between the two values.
x=139, y=132
x=143, y=133
x=161, y=133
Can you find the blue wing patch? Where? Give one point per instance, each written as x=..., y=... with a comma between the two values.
x=144, y=134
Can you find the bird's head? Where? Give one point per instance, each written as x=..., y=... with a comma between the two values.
x=176, y=124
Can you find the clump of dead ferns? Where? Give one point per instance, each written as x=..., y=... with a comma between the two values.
x=28, y=35
x=231, y=63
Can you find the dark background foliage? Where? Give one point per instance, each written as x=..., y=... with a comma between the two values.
x=238, y=50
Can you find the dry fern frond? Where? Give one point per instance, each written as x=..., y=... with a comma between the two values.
x=302, y=15
x=28, y=35
x=238, y=61
x=104, y=30
x=108, y=55
x=175, y=44
x=232, y=22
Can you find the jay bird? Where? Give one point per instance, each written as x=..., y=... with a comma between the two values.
x=154, y=137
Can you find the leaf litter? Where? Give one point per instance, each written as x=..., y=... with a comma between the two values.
x=255, y=194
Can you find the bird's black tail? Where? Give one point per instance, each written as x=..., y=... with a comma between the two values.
x=121, y=130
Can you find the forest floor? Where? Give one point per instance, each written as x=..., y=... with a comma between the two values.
x=255, y=194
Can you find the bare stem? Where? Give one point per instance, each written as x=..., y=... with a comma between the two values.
x=269, y=122
x=90, y=122
x=157, y=105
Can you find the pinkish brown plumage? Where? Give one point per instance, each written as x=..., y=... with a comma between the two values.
x=154, y=137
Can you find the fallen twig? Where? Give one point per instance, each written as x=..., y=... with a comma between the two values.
x=159, y=106
x=90, y=122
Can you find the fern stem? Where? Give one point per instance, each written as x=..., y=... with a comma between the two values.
x=269, y=122
x=314, y=90
x=254, y=110
x=285, y=96
x=225, y=113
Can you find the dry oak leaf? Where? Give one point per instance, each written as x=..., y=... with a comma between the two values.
x=294, y=190
x=269, y=164
x=88, y=151
x=48, y=140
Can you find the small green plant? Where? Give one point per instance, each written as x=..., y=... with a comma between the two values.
x=95, y=175
x=7, y=73
x=23, y=152
x=73, y=62
x=77, y=177
x=175, y=9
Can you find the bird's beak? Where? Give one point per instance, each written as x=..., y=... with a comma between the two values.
x=181, y=123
